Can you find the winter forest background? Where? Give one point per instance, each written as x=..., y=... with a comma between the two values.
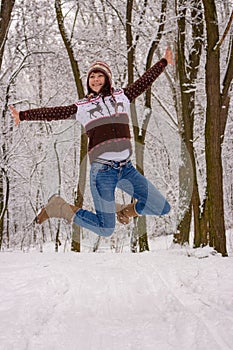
x=182, y=128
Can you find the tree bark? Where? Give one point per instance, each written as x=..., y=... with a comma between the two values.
x=188, y=70
x=5, y=17
x=140, y=133
x=213, y=132
x=76, y=237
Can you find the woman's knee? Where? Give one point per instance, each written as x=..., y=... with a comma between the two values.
x=166, y=208
x=155, y=208
x=105, y=231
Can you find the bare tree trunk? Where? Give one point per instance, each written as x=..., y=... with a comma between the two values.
x=130, y=62
x=188, y=69
x=76, y=237
x=2, y=212
x=4, y=207
x=140, y=134
x=214, y=130
x=5, y=17
x=140, y=223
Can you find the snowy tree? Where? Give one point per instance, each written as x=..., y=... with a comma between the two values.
x=218, y=99
x=5, y=20
x=189, y=48
x=75, y=245
x=40, y=67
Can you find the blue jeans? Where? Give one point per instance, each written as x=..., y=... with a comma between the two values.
x=104, y=179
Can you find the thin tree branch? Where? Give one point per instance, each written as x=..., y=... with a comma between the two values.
x=219, y=43
x=117, y=12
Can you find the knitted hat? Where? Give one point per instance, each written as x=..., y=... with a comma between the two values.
x=99, y=66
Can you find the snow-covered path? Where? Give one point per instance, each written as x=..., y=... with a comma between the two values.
x=158, y=300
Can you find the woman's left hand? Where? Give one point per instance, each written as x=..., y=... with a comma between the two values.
x=168, y=56
x=15, y=115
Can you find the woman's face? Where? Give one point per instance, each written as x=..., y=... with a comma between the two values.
x=96, y=81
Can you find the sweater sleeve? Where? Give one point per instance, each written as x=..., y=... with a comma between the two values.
x=51, y=113
x=145, y=81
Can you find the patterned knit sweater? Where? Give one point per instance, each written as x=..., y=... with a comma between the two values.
x=105, y=118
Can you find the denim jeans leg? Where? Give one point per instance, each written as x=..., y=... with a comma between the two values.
x=102, y=183
x=149, y=200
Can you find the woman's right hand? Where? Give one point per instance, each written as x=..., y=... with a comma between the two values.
x=15, y=115
x=168, y=56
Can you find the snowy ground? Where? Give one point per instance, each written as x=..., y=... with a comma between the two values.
x=169, y=298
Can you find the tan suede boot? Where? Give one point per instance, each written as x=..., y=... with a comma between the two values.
x=56, y=207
